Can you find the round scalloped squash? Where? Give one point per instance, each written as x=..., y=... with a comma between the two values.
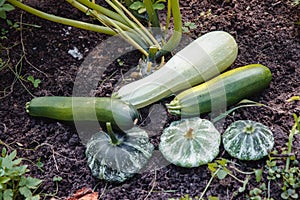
x=116, y=163
x=190, y=142
x=248, y=140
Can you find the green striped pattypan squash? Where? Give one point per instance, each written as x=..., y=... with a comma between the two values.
x=117, y=157
x=190, y=142
x=248, y=140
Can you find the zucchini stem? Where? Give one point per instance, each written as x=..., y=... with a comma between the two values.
x=113, y=139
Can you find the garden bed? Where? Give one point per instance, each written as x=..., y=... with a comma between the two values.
x=266, y=33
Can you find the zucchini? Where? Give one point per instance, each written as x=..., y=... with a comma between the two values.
x=201, y=60
x=103, y=109
x=222, y=91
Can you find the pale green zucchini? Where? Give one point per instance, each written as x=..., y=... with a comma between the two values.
x=201, y=60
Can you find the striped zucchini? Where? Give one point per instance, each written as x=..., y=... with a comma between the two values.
x=222, y=91
x=201, y=60
x=102, y=109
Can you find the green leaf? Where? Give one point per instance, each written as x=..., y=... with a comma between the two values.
x=185, y=29
x=17, y=161
x=221, y=174
x=141, y=10
x=25, y=191
x=36, y=83
x=8, y=7
x=13, y=155
x=4, y=151
x=158, y=6
x=284, y=195
x=36, y=197
x=57, y=179
x=2, y=14
x=258, y=175
x=30, y=182
x=2, y=2
x=2, y=172
x=8, y=194
x=137, y=5
x=4, y=179
x=30, y=78
x=223, y=162
x=212, y=167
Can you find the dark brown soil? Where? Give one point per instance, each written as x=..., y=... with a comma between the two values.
x=266, y=32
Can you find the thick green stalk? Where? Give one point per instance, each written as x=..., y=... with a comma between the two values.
x=133, y=37
x=103, y=19
x=176, y=37
x=129, y=39
x=104, y=11
x=168, y=16
x=140, y=25
x=290, y=141
x=62, y=20
x=111, y=134
x=153, y=18
x=132, y=24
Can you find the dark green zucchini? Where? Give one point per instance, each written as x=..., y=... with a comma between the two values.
x=103, y=109
x=222, y=91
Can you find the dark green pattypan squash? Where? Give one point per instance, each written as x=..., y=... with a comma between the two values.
x=248, y=140
x=190, y=142
x=117, y=157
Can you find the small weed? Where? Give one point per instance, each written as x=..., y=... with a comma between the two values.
x=57, y=179
x=34, y=81
x=5, y=7
x=120, y=62
x=188, y=26
x=139, y=6
x=222, y=169
x=13, y=182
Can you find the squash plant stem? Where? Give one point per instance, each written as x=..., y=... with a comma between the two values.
x=111, y=134
x=62, y=20
x=176, y=37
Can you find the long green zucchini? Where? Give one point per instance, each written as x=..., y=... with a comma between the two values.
x=222, y=91
x=103, y=109
x=201, y=60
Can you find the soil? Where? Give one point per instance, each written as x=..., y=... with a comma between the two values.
x=266, y=32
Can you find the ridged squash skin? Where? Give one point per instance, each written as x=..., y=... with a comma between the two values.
x=222, y=91
x=116, y=163
x=204, y=58
x=190, y=142
x=248, y=140
x=102, y=109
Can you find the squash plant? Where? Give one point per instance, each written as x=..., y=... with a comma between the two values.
x=116, y=157
x=190, y=142
x=248, y=140
x=120, y=21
